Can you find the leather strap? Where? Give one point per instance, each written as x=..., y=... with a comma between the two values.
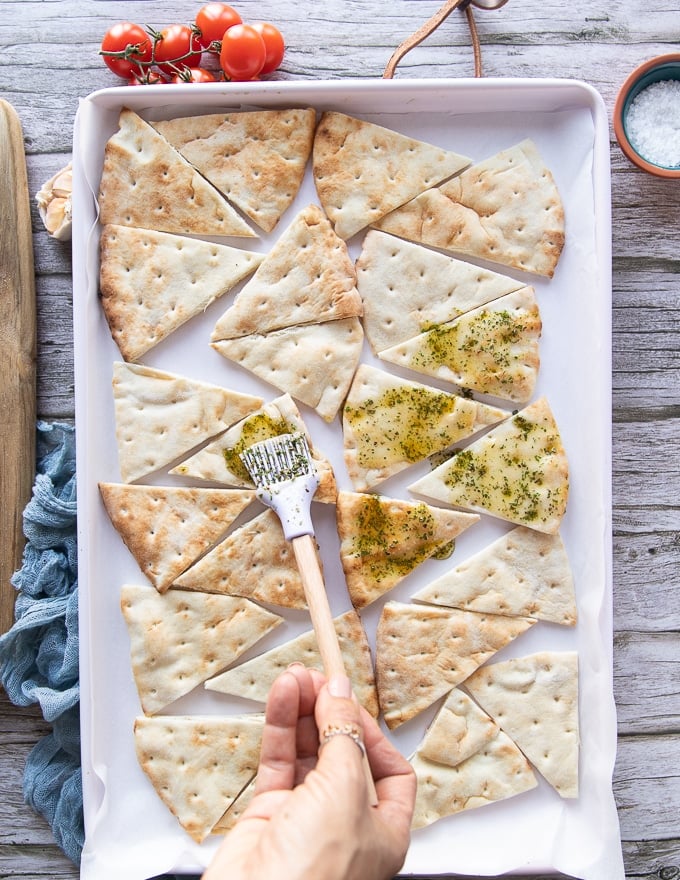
x=431, y=25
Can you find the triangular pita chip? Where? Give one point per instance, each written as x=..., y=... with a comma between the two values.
x=517, y=472
x=254, y=561
x=307, y=278
x=406, y=288
x=147, y=183
x=382, y=540
x=314, y=363
x=524, y=573
x=219, y=461
x=497, y=771
x=362, y=170
x=179, y=639
x=506, y=209
x=423, y=652
x=236, y=810
x=161, y=416
x=390, y=423
x=459, y=729
x=255, y=158
x=253, y=678
x=199, y=764
x=535, y=701
x=492, y=349
x=153, y=282
x=166, y=528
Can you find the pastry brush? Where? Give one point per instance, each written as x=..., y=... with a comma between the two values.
x=286, y=479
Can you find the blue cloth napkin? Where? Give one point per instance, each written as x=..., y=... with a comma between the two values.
x=39, y=655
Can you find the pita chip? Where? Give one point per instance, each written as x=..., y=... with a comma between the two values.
x=161, y=416
x=199, y=764
x=534, y=699
x=307, y=278
x=523, y=573
x=236, y=810
x=254, y=561
x=314, y=363
x=220, y=461
x=362, y=170
x=179, y=639
x=253, y=678
x=459, y=729
x=390, y=423
x=166, y=528
x=506, y=209
x=422, y=652
x=256, y=158
x=497, y=771
x=406, y=289
x=492, y=349
x=153, y=282
x=147, y=183
x=517, y=472
x=382, y=540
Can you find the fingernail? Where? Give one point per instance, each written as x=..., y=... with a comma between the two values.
x=295, y=663
x=339, y=686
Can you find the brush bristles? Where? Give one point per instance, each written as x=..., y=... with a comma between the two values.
x=278, y=460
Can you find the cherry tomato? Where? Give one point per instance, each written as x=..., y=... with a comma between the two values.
x=131, y=39
x=175, y=44
x=243, y=52
x=148, y=78
x=213, y=20
x=273, y=41
x=193, y=75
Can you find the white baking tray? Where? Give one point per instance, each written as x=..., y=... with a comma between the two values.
x=129, y=832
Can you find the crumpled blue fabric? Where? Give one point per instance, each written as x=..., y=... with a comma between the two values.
x=39, y=654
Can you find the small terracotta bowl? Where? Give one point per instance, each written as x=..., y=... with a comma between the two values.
x=663, y=67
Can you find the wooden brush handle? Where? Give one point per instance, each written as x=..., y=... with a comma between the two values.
x=322, y=622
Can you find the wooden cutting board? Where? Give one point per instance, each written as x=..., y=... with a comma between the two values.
x=17, y=354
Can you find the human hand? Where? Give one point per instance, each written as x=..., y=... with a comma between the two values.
x=310, y=816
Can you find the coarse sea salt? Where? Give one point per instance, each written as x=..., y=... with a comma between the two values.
x=653, y=123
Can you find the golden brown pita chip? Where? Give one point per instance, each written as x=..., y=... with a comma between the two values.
x=256, y=158
x=199, y=764
x=153, y=282
x=423, y=652
x=534, y=699
x=390, y=423
x=523, y=573
x=506, y=209
x=178, y=639
x=497, y=771
x=166, y=528
x=253, y=678
x=518, y=472
x=382, y=540
x=254, y=561
x=363, y=170
x=147, y=183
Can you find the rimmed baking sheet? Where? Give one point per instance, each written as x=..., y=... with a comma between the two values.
x=129, y=831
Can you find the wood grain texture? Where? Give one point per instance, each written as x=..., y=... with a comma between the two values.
x=17, y=354
x=596, y=41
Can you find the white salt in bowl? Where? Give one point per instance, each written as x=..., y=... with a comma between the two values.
x=647, y=116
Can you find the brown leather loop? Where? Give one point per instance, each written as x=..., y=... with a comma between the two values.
x=431, y=25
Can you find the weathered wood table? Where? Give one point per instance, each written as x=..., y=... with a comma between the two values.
x=49, y=59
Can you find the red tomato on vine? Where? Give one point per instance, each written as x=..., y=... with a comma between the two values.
x=243, y=53
x=131, y=44
x=177, y=46
x=213, y=20
x=274, y=44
